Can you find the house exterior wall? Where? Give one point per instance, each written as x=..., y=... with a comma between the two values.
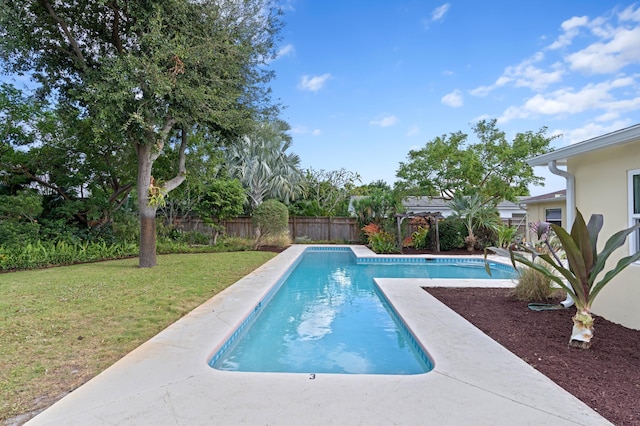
x=536, y=213
x=602, y=187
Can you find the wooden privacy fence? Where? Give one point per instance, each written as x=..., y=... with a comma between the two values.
x=338, y=229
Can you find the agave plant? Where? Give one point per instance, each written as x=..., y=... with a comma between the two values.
x=584, y=265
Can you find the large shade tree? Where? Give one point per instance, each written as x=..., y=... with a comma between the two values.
x=84, y=181
x=492, y=167
x=146, y=71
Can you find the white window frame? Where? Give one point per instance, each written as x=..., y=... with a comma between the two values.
x=634, y=239
x=546, y=215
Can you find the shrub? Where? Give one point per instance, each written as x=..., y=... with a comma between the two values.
x=379, y=240
x=420, y=237
x=41, y=254
x=534, y=286
x=451, y=232
x=271, y=218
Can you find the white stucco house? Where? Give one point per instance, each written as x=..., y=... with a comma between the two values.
x=603, y=176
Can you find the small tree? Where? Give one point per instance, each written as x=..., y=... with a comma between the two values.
x=222, y=200
x=585, y=264
x=271, y=219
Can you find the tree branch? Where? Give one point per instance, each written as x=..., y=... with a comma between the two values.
x=74, y=44
x=115, y=30
x=182, y=169
x=162, y=137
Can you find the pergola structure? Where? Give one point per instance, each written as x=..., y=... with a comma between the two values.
x=431, y=217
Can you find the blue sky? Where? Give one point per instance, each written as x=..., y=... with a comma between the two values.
x=364, y=82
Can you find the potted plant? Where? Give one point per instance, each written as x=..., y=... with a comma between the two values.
x=580, y=278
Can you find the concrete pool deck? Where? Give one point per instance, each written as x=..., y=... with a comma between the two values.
x=167, y=381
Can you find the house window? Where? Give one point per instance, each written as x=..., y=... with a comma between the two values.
x=634, y=209
x=553, y=216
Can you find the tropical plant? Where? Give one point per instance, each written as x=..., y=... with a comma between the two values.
x=378, y=206
x=260, y=161
x=420, y=237
x=475, y=213
x=379, y=240
x=506, y=234
x=580, y=278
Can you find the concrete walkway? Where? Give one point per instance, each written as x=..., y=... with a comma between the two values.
x=167, y=381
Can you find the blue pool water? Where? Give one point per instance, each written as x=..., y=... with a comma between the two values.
x=327, y=316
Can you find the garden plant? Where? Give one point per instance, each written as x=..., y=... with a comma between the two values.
x=585, y=264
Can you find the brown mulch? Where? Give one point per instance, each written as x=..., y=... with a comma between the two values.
x=606, y=377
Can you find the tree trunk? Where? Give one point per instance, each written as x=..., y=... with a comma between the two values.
x=582, y=331
x=470, y=242
x=147, y=212
x=147, y=155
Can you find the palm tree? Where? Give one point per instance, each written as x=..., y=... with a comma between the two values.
x=261, y=162
x=475, y=214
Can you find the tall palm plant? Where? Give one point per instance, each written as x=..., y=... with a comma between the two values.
x=475, y=214
x=261, y=162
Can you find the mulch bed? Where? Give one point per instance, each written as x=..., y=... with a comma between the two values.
x=606, y=377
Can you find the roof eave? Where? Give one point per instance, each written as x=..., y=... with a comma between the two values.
x=561, y=155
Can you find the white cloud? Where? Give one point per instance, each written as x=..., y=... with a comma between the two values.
x=286, y=51
x=482, y=90
x=592, y=130
x=613, y=46
x=385, y=121
x=439, y=12
x=610, y=56
x=525, y=74
x=288, y=5
x=453, y=99
x=313, y=83
x=413, y=130
x=571, y=28
x=629, y=14
x=436, y=15
x=304, y=130
x=566, y=101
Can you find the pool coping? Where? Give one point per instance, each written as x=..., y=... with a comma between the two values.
x=167, y=380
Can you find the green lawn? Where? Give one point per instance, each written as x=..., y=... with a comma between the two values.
x=59, y=327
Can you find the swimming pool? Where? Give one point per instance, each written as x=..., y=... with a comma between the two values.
x=326, y=315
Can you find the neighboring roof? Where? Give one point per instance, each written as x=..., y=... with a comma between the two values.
x=619, y=137
x=544, y=198
x=421, y=204
x=443, y=202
